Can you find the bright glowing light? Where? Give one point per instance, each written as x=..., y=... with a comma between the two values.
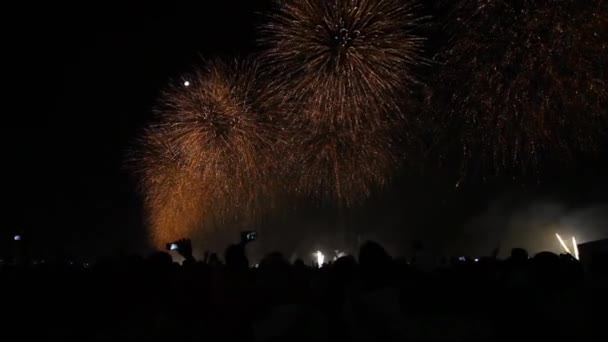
x=187, y=83
x=575, y=246
x=563, y=244
x=339, y=254
x=17, y=237
x=320, y=258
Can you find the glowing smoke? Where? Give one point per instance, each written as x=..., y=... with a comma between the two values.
x=531, y=224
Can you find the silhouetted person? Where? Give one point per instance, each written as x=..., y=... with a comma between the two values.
x=546, y=269
x=184, y=248
x=519, y=255
x=375, y=264
x=214, y=260
x=235, y=257
x=160, y=259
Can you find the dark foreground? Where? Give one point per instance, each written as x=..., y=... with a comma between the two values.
x=377, y=298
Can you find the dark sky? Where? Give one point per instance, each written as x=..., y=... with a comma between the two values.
x=81, y=84
x=83, y=80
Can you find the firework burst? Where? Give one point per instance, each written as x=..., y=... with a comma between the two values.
x=526, y=79
x=204, y=162
x=341, y=62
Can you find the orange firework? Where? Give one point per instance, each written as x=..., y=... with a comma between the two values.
x=172, y=187
x=203, y=162
x=337, y=69
x=341, y=62
x=338, y=166
x=526, y=79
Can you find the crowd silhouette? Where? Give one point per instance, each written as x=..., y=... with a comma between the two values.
x=373, y=297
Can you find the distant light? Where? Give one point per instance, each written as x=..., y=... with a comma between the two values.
x=476, y=260
x=17, y=238
x=187, y=83
x=320, y=258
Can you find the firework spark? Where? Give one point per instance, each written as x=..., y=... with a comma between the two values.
x=172, y=189
x=204, y=161
x=339, y=166
x=341, y=61
x=337, y=67
x=526, y=78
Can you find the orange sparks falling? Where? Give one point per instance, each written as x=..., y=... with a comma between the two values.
x=203, y=162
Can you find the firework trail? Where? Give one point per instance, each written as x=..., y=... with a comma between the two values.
x=575, y=246
x=559, y=238
x=526, y=79
x=341, y=62
x=204, y=161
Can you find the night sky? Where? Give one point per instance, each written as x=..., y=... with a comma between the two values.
x=82, y=84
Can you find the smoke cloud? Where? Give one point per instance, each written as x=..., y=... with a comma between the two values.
x=531, y=223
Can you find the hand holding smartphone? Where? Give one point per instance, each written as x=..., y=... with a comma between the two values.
x=248, y=236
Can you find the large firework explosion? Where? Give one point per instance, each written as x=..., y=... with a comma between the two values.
x=337, y=70
x=341, y=62
x=205, y=161
x=526, y=79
